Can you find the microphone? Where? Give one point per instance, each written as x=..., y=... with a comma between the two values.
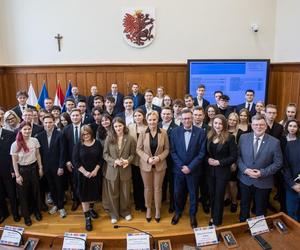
x=154, y=247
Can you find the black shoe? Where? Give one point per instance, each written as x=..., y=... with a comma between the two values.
x=227, y=202
x=171, y=210
x=38, y=216
x=175, y=219
x=27, y=221
x=148, y=219
x=75, y=205
x=88, y=224
x=93, y=214
x=233, y=208
x=193, y=221
x=16, y=217
x=157, y=219
x=3, y=218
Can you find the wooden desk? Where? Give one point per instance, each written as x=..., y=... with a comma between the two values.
x=278, y=241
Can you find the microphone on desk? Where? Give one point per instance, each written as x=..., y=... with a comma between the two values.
x=154, y=246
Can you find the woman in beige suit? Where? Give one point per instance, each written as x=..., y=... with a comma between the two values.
x=153, y=148
x=119, y=152
x=135, y=129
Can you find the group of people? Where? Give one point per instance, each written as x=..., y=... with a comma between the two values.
x=102, y=149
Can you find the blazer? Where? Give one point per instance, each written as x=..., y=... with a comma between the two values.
x=268, y=160
x=119, y=102
x=144, y=151
x=6, y=140
x=154, y=107
x=226, y=154
x=52, y=158
x=205, y=103
x=36, y=129
x=243, y=105
x=227, y=111
x=133, y=133
x=88, y=119
x=170, y=128
x=139, y=100
x=193, y=156
x=111, y=152
x=18, y=111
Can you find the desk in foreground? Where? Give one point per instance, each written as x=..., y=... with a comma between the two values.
x=279, y=241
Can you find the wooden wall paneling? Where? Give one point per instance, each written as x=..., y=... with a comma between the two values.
x=10, y=92
x=22, y=83
x=41, y=79
x=147, y=80
x=170, y=85
x=131, y=77
x=180, y=85
x=161, y=79
x=51, y=84
x=110, y=78
x=91, y=79
x=122, y=86
x=101, y=83
x=62, y=79
x=2, y=94
x=71, y=76
x=81, y=82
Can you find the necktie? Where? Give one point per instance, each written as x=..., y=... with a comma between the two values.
x=255, y=146
x=188, y=130
x=249, y=106
x=76, y=135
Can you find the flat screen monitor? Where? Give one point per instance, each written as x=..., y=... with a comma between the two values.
x=232, y=77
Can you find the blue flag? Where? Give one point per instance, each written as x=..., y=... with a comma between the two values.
x=68, y=93
x=43, y=95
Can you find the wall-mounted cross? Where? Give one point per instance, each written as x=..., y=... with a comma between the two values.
x=58, y=37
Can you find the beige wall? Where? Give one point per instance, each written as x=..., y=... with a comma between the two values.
x=92, y=31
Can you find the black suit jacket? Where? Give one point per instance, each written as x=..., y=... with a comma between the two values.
x=276, y=131
x=227, y=111
x=18, y=111
x=36, y=129
x=119, y=102
x=170, y=128
x=68, y=143
x=7, y=138
x=154, y=107
x=226, y=154
x=88, y=119
x=51, y=156
x=205, y=103
x=79, y=98
x=243, y=105
x=140, y=100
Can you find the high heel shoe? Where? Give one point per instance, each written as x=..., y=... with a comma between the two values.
x=157, y=219
x=148, y=219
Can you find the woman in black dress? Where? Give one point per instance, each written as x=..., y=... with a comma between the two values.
x=221, y=154
x=88, y=159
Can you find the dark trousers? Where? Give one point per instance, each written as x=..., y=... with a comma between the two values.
x=8, y=189
x=29, y=190
x=138, y=187
x=279, y=184
x=261, y=197
x=184, y=184
x=168, y=184
x=293, y=204
x=73, y=180
x=56, y=186
x=204, y=189
x=217, y=188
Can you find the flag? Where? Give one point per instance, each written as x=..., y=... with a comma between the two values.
x=32, y=99
x=68, y=93
x=43, y=95
x=59, y=96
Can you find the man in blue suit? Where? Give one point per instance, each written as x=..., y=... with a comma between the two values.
x=188, y=145
x=259, y=159
x=138, y=98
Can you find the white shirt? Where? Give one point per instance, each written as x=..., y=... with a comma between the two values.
x=247, y=105
x=157, y=101
x=200, y=102
x=166, y=126
x=26, y=158
x=129, y=118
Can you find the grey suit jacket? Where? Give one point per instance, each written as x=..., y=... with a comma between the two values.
x=268, y=160
x=111, y=152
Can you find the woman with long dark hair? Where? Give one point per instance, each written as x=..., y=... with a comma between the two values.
x=28, y=169
x=221, y=154
x=119, y=152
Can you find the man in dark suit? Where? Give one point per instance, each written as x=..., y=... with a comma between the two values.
x=22, y=97
x=168, y=124
x=86, y=118
x=76, y=96
x=148, y=106
x=48, y=104
x=90, y=99
x=224, y=107
x=7, y=181
x=110, y=106
x=118, y=98
x=138, y=98
x=248, y=104
x=127, y=114
x=53, y=165
x=259, y=159
x=71, y=136
x=199, y=100
x=187, y=150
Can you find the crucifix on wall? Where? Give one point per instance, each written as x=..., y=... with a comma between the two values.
x=58, y=37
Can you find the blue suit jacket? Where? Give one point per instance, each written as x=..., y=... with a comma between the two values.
x=119, y=103
x=268, y=160
x=205, y=103
x=241, y=106
x=193, y=156
x=140, y=100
